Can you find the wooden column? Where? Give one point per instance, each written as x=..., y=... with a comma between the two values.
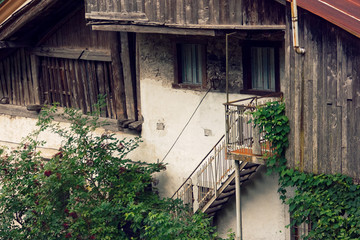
x=118, y=78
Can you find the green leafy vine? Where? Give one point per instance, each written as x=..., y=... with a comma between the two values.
x=328, y=203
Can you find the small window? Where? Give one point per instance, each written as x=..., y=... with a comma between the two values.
x=298, y=232
x=261, y=69
x=190, y=69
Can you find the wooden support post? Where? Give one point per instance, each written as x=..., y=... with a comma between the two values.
x=128, y=76
x=118, y=78
x=256, y=145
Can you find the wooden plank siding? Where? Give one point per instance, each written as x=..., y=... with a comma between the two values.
x=322, y=95
x=17, y=80
x=175, y=13
x=72, y=65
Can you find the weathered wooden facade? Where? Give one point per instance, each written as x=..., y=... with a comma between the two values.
x=322, y=93
x=321, y=87
x=185, y=13
x=66, y=62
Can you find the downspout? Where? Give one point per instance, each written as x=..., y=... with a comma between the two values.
x=237, y=164
x=295, y=28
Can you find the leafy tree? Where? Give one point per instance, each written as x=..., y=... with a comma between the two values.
x=88, y=190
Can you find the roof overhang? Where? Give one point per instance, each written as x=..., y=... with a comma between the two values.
x=345, y=13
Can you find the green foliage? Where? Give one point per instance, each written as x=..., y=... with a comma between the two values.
x=330, y=202
x=88, y=190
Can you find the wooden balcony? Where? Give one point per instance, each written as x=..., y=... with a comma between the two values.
x=244, y=141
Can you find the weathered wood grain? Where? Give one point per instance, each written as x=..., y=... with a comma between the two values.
x=128, y=77
x=118, y=79
x=184, y=12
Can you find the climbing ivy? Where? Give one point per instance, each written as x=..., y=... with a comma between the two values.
x=329, y=203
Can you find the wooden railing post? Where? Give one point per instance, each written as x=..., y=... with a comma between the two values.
x=256, y=138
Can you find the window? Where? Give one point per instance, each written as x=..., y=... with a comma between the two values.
x=190, y=65
x=261, y=69
x=297, y=232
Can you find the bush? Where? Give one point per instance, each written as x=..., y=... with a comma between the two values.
x=88, y=190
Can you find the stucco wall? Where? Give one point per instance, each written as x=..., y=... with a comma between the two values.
x=15, y=128
x=162, y=105
x=263, y=214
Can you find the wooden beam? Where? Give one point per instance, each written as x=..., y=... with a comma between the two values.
x=117, y=16
x=283, y=2
x=227, y=26
x=152, y=29
x=11, y=44
x=70, y=53
x=24, y=15
x=8, y=8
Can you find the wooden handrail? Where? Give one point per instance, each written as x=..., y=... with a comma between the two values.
x=202, y=161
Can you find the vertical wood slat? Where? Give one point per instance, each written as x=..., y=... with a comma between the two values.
x=15, y=79
x=73, y=84
x=112, y=92
x=24, y=78
x=118, y=79
x=3, y=80
x=180, y=12
x=80, y=86
x=224, y=12
x=52, y=85
x=239, y=12
x=138, y=76
x=44, y=81
x=149, y=9
x=50, y=81
x=187, y=15
x=59, y=82
x=7, y=78
x=90, y=84
x=308, y=103
x=108, y=90
x=94, y=82
x=63, y=78
x=30, y=85
x=101, y=85
x=127, y=73
x=85, y=87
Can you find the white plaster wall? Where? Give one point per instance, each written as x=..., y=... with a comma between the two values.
x=263, y=212
x=14, y=129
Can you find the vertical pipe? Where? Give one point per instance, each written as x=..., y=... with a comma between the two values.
x=238, y=201
x=227, y=66
x=295, y=28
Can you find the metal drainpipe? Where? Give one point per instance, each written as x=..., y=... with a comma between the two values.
x=237, y=164
x=295, y=28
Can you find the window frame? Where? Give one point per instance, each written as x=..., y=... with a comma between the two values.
x=247, y=72
x=177, y=65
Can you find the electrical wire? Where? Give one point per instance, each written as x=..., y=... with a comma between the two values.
x=192, y=115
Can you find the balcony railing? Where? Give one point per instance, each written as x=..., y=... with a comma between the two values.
x=244, y=141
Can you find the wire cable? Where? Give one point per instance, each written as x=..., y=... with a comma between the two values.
x=192, y=115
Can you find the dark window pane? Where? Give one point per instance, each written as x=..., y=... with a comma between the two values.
x=263, y=68
x=191, y=63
